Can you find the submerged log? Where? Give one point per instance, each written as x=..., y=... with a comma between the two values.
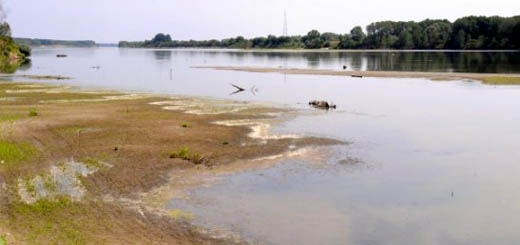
x=321, y=104
x=61, y=55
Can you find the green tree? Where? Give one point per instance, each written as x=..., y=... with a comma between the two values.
x=357, y=34
x=312, y=40
x=405, y=40
x=161, y=38
x=5, y=29
x=460, y=40
x=437, y=35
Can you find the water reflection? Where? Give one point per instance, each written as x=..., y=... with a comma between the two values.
x=162, y=54
x=483, y=62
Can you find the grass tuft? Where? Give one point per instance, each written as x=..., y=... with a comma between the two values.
x=33, y=112
x=179, y=214
x=92, y=162
x=44, y=221
x=185, y=125
x=29, y=186
x=185, y=154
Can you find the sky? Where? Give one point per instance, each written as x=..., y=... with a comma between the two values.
x=109, y=21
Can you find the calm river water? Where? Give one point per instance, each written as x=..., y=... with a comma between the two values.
x=430, y=162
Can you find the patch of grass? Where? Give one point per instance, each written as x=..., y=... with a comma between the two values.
x=12, y=153
x=185, y=154
x=43, y=206
x=29, y=186
x=49, y=183
x=441, y=79
x=179, y=214
x=185, y=125
x=10, y=117
x=92, y=162
x=45, y=222
x=33, y=112
x=502, y=80
x=74, y=130
x=3, y=240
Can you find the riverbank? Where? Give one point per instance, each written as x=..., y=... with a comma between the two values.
x=96, y=167
x=486, y=78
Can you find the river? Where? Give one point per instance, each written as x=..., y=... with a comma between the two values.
x=429, y=162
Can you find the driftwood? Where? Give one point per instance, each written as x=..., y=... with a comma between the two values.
x=61, y=55
x=239, y=89
x=321, y=104
x=359, y=76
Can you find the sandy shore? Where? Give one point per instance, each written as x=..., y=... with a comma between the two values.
x=99, y=167
x=487, y=78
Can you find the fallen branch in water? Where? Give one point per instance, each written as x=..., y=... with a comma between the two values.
x=237, y=87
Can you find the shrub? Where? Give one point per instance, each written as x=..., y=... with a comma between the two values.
x=25, y=50
x=33, y=112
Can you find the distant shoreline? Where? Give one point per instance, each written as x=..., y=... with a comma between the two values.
x=337, y=50
x=486, y=78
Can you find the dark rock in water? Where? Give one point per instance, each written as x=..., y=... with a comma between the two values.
x=61, y=55
x=344, y=67
x=321, y=104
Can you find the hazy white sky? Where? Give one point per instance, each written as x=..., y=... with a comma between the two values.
x=114, y=20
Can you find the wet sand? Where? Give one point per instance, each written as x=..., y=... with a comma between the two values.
x=131, y=153
x=486, y=78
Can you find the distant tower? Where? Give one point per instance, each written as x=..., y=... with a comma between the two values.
x=285, y=30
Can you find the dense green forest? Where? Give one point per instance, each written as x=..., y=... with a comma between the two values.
x=49, y=42
x=12, y=55
x=473, y=32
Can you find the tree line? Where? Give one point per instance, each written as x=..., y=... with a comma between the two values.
x=34, y=42
x=472, y=32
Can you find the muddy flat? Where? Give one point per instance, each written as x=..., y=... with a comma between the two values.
x=97, y=167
